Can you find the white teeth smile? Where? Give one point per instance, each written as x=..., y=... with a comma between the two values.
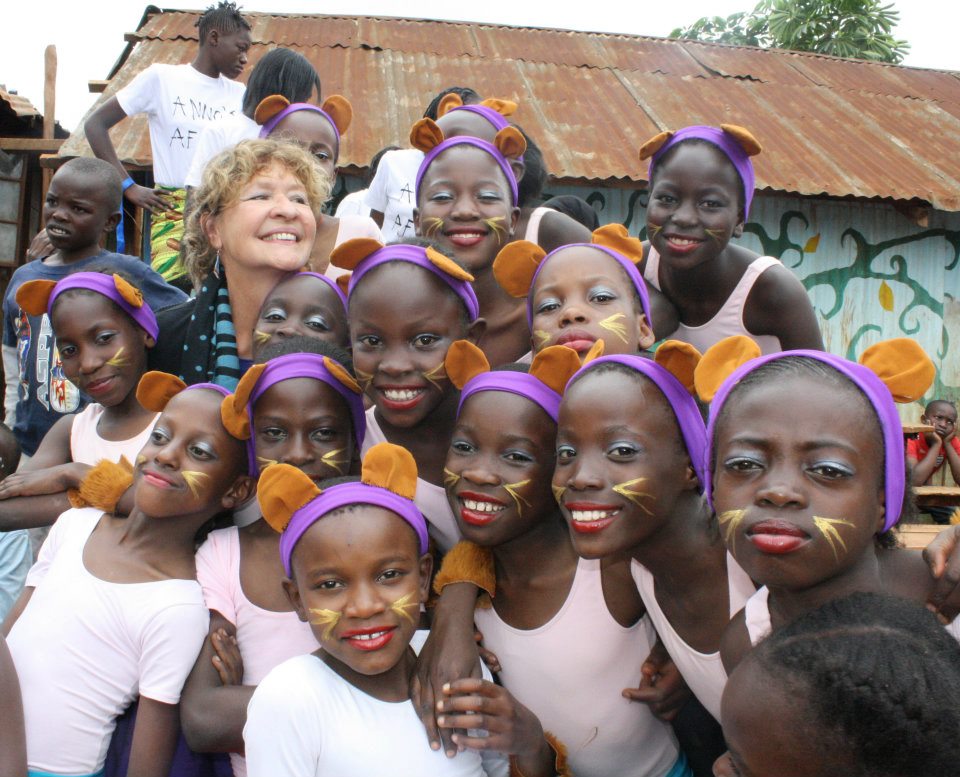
x=56, y=230
x=683, y=241
x=482, y=507
x=401, y=395
x=286, y=237
x=365, y=637
x=589, y=516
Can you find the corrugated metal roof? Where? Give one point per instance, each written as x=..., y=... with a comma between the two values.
x=21, y=106
x=829, y=126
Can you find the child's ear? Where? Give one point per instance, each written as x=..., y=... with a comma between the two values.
x=239, y=493
x=110, y=225
x=514, y=220
x=518, y=167
x=882, y=509
x=416, y=221
x=426, y=568
x=476, y=331
x=738, y=230
x=690, y=480
x=647, y=338
x=293, y=596
x=148, y=341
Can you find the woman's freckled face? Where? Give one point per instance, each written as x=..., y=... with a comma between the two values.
x=303, y=305
x=798, y=479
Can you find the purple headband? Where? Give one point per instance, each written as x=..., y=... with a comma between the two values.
x=248, y=444
x=683, y=404
x=496, y=118
x=727, y=144
x=212, y=386
x=876, y=393
x=466, y=140
x=521, y=383
x=104, y=284
x=633, y=273
x=329, y=281
x=269, y=126
x=401, y=252
x=341, y=495
x=305, y=365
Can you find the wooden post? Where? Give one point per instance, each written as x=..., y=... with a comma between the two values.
x=49, y=105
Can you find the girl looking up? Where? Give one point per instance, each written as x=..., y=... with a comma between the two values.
x=701, y=187
x=303, y=304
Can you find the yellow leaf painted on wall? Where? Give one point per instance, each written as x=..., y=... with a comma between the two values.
x=812, y=244
x=886, y=296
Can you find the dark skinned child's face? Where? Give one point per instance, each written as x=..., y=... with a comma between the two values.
x=694, y=206
x=359, y=579
x=229, y=51
x=943, y=418
x=464, y=204
x=583, y=295
x=497, y=475
x=190, y=465
x=621, y=466
x=800, y=499
x=302, y=305
x=305, y=423
x=315, y=133
x=76, y=212
x=402, y=321
x=104, y=353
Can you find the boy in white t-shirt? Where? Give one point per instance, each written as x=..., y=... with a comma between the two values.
x=179, y=100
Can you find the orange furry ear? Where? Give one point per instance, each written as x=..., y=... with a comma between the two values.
x=744, y=137
x=555, y=365
x=130, y=294
x=446, y=264
x=340, y=373
x=680, y=360
x=349, y=254
x=903, y=366
x=269, y=107
x=515, y=266
x=510, y=142
x=343, y=281
x=720, y=361
x=655, y=143
x=503, y=107
x=391, y=467
x=595, y=352
x=281, y=491
x=338, y=108
x=233, y=409
x=448, y=102
x=463, y=362
x=34, y=296
x=155, y=389
x=425, y=135
x=615, y=236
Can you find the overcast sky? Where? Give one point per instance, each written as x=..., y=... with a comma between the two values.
x=89, y=36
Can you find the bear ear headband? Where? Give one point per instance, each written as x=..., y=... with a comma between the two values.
x=336, y=109
x=34, y=296
x=749, y=144
x=453, y=100
x=553, y=366
x=518, y=262
x=156, y=389
x=350, y=253
x=427, y=135
x=283, y=489
x=680, y=359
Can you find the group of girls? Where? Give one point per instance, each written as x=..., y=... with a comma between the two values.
x=481, y=415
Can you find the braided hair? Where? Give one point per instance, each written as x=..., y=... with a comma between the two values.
x=224, y=17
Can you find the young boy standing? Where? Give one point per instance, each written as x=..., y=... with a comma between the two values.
x=179, y=100
x=927, y=453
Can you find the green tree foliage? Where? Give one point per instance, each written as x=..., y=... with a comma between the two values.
x=844, y=28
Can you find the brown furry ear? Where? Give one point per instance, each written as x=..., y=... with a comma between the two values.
x=516, y=265
x=340, y=373
x=129, y=293
x=269, y=107
x=510, y=142
x=155, y=389
x=391, y=467
x=744, y=137
x=425, y=135
x=448, y=102
x=903, y=366
x=338, y=108
x=719, y=363
x=343, y=281
x=349, y=254
x=34, y=296
x=615, y=236
x=233, y=409
x=463, y=362
x=448, y=266
x=595, y=352
x=680, y=360
x=281, y=491
x=554, y=366
x=503, y=107
x=653, y=145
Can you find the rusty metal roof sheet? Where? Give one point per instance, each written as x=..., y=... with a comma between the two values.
x=20, y=106
x=829, y=126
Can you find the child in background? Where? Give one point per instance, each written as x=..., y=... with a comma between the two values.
x=112, y=608
x=302, y=407
x=353, y=204
x=358, y=570
x=15, y=555
x=927, y=453
x=701, y=187
x=179, y=100
x=865, y=686
x=407, y=304
x=104, y=330
x=303, y=304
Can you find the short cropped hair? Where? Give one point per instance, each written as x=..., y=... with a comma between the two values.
x=224, y=17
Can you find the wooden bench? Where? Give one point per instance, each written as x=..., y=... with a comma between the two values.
x=912, y=430
x=918, y=535
x=937, y=496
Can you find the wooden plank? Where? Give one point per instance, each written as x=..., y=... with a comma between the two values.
x=49, y=106
x=97, y=87
x=937, y=496
x=43, y=145
x=917, y=429
x=918, y=535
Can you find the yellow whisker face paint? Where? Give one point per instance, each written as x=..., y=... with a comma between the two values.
x=828, y=528
x=496, y=225
x=716, y=234
x=512, y=488
x=730, y=521
x=330, y=459
x=653, y=231
x=326, y=618
x=627, y=491
x=431, y=226
x=259, y=338
x=263, y=461
x=194, y=481
x=403, y=605
x=435, y=375
x=541, y=336
x=558, y=492
x=118, y=359
x=141, y=459
x=363, y=378
x=613, y=324
x=450, y=479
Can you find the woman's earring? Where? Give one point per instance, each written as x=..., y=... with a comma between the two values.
x=216, y=266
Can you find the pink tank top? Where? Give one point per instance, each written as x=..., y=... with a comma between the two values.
x=88, y=447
